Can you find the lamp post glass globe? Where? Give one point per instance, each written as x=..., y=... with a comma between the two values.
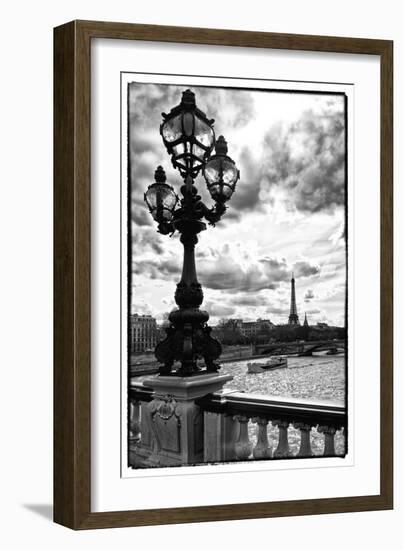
x=221, y=173
x=160, y=198
x=188, y=135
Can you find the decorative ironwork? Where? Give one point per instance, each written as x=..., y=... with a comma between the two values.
x=188, y=135
x=189, y=138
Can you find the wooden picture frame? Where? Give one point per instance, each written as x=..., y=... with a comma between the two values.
x=72, y=270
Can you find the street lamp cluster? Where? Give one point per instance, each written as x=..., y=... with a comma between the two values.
x=189, y=138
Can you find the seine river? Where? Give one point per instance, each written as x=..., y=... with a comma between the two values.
x=319, y=378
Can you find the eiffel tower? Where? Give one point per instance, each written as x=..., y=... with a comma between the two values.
x=293, y=317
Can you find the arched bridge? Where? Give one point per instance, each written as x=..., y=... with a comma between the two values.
x=333, y=347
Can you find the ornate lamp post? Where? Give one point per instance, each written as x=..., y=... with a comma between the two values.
x=189, y=138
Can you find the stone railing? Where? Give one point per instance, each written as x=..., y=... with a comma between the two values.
x=241, y=426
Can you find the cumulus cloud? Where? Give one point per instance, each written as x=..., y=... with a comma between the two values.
x=337, y=290
x=248, y=300
x=157, y=268
x=247, y=193
x=305, y=269
x=226, y=270
x=283, y=311
x=233, y=267
x=146, y=240
x=228, y=107
x=307, y=160
x=140, y=215
x=301, y=166
x=217, y=309
x=309, y=295
x=292, y=170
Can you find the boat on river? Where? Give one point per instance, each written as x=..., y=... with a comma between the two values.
x=274, y=362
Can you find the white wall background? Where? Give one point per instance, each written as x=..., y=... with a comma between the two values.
x=26, y=270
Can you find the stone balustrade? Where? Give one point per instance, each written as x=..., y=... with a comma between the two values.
x=262, y=426
x=241, y=426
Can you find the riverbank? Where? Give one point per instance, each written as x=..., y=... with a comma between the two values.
x=137, y=369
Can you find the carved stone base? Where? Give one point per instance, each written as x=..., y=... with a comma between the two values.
x=172, y=425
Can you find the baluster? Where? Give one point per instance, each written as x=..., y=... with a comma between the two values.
x=243, y=447
x=329, y=432
x=305, y=447
x=343, y=433
x=134, y=421
x=282, y=450
x=220, y=432
x=262, y=448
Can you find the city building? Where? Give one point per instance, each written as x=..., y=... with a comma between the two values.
x=235, y=324
x=293, y=317
x=249, y=329
x=143, y=333
x=238, y=331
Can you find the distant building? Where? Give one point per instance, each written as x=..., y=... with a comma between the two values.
x=143, y=333
x=266, y=323
x=306, y=321
x=250, y=329
x=235, y=324
x=322, y=325
x=238, y=330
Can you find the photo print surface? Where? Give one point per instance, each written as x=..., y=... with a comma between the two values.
x=237, y=274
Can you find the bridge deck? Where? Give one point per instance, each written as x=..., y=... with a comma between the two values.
x=300, y=347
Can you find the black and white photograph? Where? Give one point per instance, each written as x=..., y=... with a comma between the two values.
x=237, y=298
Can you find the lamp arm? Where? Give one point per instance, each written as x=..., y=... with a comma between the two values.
x=214, y=214
x=166, y=227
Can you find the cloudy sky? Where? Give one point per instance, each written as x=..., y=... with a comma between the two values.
x=286, y=215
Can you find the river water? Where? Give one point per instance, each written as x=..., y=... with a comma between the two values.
x=319, y=378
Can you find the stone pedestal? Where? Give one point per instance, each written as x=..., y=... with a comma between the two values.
x=172, y=425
